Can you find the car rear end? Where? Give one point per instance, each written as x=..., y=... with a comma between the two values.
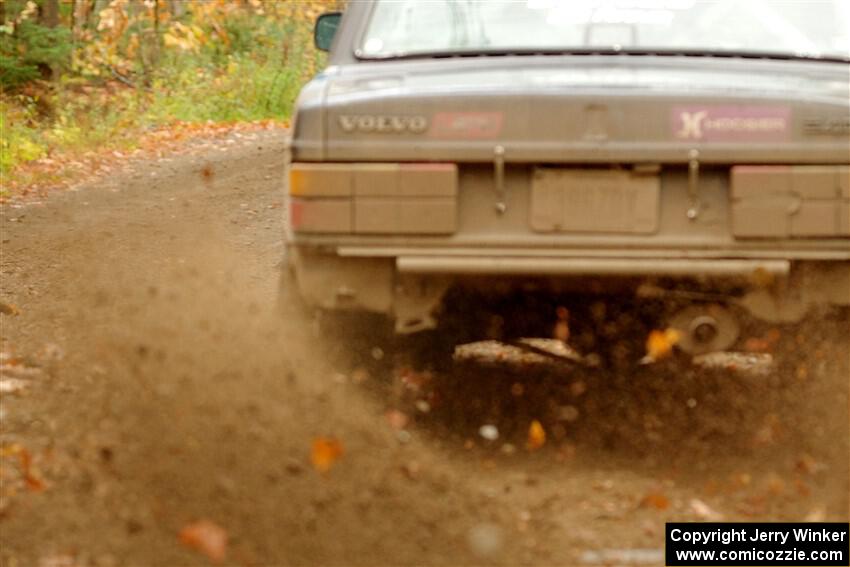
x=591, y=170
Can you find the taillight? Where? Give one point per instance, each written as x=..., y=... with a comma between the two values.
x=376, y=198
x=800, y=201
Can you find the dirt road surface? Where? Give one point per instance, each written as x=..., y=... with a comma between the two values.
x=150, y=382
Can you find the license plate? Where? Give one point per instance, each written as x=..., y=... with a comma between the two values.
x=594, y=200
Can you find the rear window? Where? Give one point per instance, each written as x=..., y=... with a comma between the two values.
x=812, y=28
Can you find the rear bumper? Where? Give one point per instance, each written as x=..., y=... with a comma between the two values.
x=408, y=284
x=640, y=267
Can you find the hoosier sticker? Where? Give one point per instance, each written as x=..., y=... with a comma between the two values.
x=709, y=123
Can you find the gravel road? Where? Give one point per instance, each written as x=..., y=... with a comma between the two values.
x=150, y=383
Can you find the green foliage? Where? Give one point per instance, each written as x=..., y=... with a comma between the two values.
x=243, y=89
x=253, y=77
x=29, y=50
x=19, y=142
x=219, y=61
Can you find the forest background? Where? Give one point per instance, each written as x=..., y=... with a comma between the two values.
x=86, y=81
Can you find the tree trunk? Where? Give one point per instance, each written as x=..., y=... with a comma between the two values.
x=156, y=24
x=50, y=13
x=48, y=16
x=178, y=8
x=150, y=48
x=80, y=14
x=97, y=6
x=90, y=13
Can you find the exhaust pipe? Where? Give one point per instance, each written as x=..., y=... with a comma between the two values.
x=705, y=328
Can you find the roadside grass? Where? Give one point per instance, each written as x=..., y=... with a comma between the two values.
x=81, y=116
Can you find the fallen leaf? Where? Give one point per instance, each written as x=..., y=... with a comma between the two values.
x=659, y=344
x=206, y=537
x=774, y=484
x=536, y=435
x=704, y=511
x=773, y=335
x=755, y=344
x=19, y=370
x=8, y=309
x=31, y=480
x=397, y=419
x=807, y=465
x=410, y=470
x=414, y=380
x=359, y=375
x=12, y=385
x=207, y=173
x=742, y=480
x=655, y=500
x=294, y=467
x=325, y=452
x=34, y=484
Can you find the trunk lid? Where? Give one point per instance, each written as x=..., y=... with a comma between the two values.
x=585, y=109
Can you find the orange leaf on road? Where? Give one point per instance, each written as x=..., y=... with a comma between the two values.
x=31, y=480
x=397, y=419
x=326, y=451
x=659, y=344
x=536, y=435
x=206, y=537
x=655, y=500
